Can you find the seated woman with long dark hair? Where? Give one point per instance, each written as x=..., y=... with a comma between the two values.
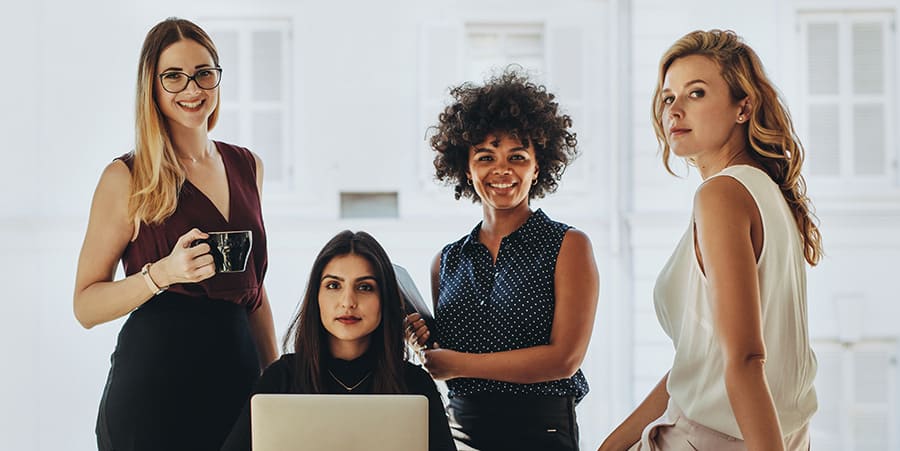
x=348, y=337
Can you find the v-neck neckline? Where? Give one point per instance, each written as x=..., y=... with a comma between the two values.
x=227, y=186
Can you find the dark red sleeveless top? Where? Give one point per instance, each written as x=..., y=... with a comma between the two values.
x=196, y=210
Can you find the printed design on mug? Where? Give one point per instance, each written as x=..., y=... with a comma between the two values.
x=230, y=250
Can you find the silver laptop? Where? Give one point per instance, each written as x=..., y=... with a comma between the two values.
x=339, y=422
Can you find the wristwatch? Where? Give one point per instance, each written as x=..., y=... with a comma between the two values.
x=156, y=289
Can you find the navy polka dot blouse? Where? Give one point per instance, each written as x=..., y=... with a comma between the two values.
x=484, y=307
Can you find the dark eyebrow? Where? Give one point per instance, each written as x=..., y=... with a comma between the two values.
x=178, y=69
x=341, y=279
x=514, y=149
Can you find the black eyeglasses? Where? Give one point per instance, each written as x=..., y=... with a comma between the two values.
x=176, y=81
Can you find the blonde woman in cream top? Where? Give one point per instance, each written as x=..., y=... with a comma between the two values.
x=684, y=307
x=733, y=295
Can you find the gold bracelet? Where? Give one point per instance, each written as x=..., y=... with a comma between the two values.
x=156, y=289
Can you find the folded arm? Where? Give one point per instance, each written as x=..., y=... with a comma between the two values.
x=576, y=291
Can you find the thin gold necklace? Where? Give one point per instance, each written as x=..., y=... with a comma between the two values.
x=346, y=387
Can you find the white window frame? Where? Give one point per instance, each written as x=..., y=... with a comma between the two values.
x=505, y=54
x=848, y=406
x=847, y=182
x=279, y=173
x=434, y=100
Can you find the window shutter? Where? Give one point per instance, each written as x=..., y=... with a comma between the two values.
x=566, y=69
x=228, y=127
x=869, y=131
x=440, y=53
x=824, y=150
x=823, y=77
x=255, y=112
x=823, y=58
x=868, y=57
x=230, y=60
x=869, y=125
x=848, y=58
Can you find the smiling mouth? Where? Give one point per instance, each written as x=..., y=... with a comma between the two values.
x=191, y=106
x=501, y=185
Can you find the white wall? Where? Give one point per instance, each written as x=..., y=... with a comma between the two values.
x=357, y=127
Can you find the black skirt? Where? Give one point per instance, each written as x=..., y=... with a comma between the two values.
x=181, y=371
x=502, y=422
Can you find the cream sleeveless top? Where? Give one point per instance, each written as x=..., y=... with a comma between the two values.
x=683, y=305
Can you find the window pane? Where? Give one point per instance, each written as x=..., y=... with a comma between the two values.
x=868, y=140
x=525, y=44
x=822, y=64
x=482, y=43
x=823, y=150
x=868, y=61
x=491, y=48
x=229, y=59
x=268, y=143
x=267, y=66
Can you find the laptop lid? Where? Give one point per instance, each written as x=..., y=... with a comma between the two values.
x=282, y=422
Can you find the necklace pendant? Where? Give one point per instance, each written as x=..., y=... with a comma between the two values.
x=349, y=388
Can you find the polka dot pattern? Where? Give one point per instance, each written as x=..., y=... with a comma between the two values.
x=483, y=307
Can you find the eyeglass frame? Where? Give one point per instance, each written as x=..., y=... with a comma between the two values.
x=190, y=78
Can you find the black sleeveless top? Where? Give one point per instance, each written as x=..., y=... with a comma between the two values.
x=485, y=307
x=194, y=209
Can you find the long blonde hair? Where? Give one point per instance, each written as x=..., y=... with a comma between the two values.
x=157, y=177
x=770, y=132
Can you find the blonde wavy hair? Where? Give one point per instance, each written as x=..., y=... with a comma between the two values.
x=157, y=176
x=770, y=132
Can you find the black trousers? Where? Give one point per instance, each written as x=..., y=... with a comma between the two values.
x=500, y=422
x=180, y=374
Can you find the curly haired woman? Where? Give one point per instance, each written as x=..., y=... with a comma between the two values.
x=515, y=298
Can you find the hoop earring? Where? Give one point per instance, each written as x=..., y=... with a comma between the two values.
x=469, y=181
x=534, y=182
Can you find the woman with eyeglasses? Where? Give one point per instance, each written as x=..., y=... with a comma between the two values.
x=194, y=341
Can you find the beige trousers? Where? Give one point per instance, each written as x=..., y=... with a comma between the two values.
x=675, y=432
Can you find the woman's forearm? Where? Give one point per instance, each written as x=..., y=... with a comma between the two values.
x=105, y=301
x=751, y=401
x=520, y=366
